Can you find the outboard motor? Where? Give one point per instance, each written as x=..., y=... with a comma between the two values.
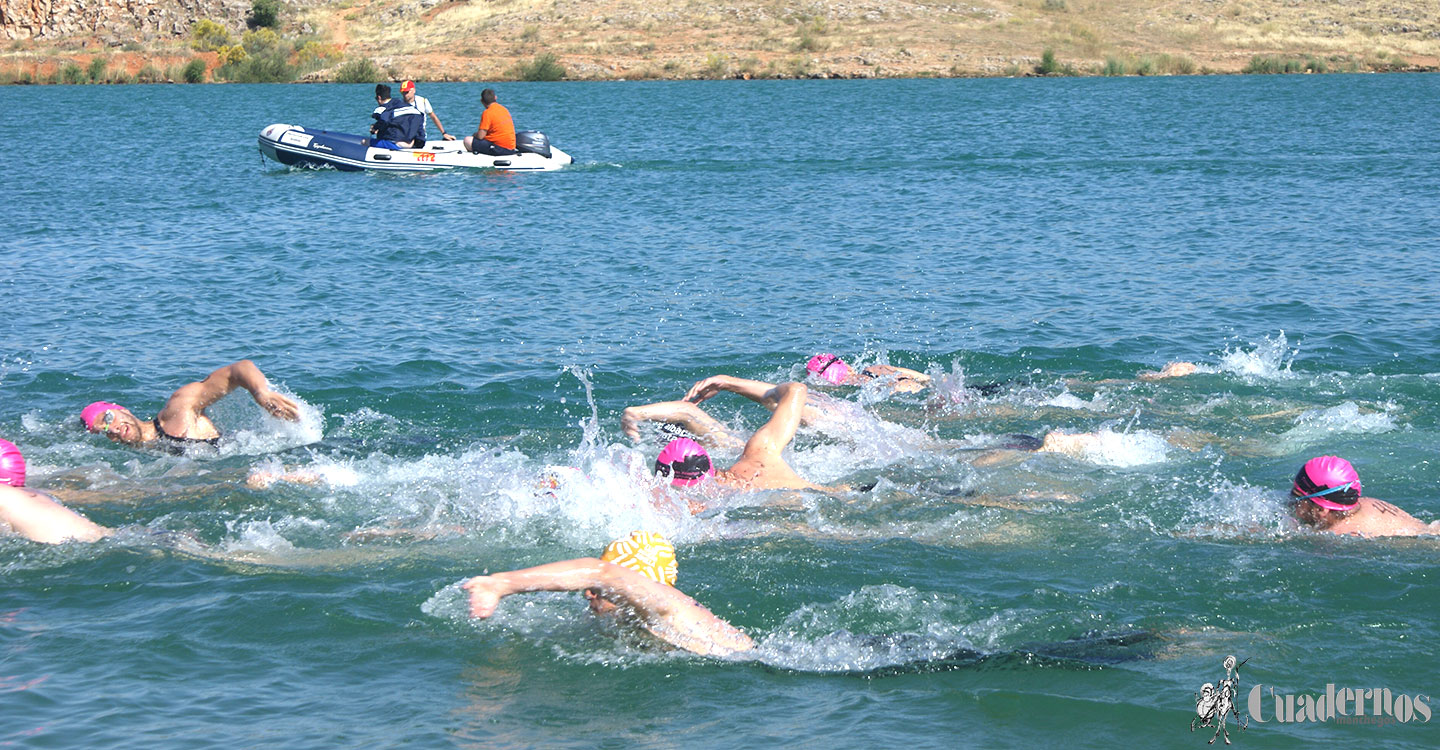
x=532, y=142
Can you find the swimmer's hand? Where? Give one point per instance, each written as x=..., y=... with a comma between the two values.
x=1171, y=370
x=485, y=595
x=707, y=388
x=278, y=405
x=630, y=420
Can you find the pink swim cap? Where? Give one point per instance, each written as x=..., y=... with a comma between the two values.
x=829, y=367
x=685, y=462
x=12, y=465
x=89, y=414
x=1328, y=481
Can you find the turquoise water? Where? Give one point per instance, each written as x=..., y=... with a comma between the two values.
x=451, y=335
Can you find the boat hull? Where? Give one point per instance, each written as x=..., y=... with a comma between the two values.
x=293, y=145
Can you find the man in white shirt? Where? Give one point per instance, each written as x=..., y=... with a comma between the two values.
x=407, y=90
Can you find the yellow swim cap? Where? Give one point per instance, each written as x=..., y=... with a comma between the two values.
x=644, y=552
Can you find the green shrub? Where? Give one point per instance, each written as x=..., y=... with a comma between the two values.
x=809, y=41
x=1114, y=66
x=208, y=36
x=148, y=74
x=358, y=70
x=194, y=71
x=1054, y=5
x=716, y=66
x=544, y=67
x=261, y=57
x=1049, y=65
x=264, y=14
x=260, y=41
x=313, y=55
x=272, y=67
x=230, y=55
x=1271, y=64
x=72, y=73
x=96, y=71
x=1175, y=65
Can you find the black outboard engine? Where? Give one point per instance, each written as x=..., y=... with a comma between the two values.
x=532, y=142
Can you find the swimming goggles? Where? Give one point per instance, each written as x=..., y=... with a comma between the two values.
x=103, y=422
x=1329, y=503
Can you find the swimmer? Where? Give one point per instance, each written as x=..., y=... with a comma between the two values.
x=1326, y=496
x=35, y=515
x=761, y=466
x=182, y=422
x=834, y=371
x=1170, y=370
x=634, y=580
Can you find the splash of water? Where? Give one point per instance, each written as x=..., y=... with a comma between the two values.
x=1268, y=359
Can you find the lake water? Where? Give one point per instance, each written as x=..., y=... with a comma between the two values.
x=451, y=335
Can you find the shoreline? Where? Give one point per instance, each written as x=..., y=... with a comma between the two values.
x=132, y=69
x=349, y=41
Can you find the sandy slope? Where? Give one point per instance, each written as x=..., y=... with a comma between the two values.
x=484, y=39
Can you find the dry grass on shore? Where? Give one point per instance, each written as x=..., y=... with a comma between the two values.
x=611, y=39
x=865, y=38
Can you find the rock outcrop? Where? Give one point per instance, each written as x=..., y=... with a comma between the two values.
x=115, y=21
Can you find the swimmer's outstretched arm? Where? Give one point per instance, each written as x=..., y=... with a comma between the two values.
x=759, y=391
x=1170, y=370
x=192, y=399
x=771, y=439
x=681, y=414
x=666, y=612
x=37, y=517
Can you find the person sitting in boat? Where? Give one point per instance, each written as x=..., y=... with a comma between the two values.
x=182, y=422
x=407, y=90
x=397, y=122
x=496, y=134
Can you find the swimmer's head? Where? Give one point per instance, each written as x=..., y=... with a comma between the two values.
x=829, y=368
x=685, y=462
x=1325, y=482
x=644, y=552
x=114, y=420
x=12, y=465
x=554, y=477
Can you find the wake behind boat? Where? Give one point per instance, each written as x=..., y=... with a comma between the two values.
x=295, y=145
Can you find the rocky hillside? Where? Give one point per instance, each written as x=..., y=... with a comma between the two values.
x=607, y=39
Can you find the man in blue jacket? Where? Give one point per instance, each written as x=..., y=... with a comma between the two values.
x=397, y=123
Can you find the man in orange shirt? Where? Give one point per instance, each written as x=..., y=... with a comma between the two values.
x=496, y=134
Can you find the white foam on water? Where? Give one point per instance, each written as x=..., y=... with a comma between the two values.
x=259, y=433
x=1067, y=400
x=1342, y=418
x=947, y=389
x=1236, y=510
x=1268, y=359
x=1106, y=447
x=881, y=626
x=263, y=536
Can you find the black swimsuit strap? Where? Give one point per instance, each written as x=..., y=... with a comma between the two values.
x=160, y=431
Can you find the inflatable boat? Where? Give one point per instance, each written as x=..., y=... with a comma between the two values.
x=298, y=146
